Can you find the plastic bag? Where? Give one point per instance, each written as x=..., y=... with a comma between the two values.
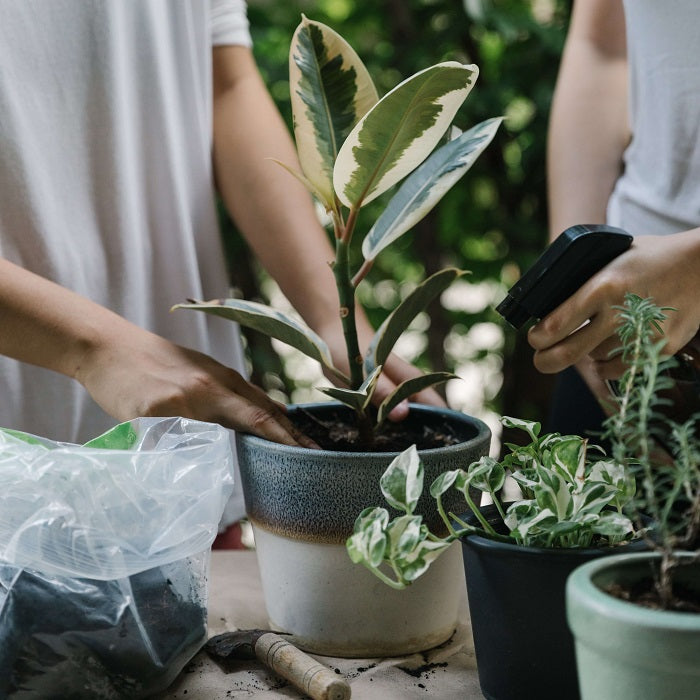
x=104, y=554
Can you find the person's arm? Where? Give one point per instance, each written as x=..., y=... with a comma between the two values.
x=588, y=127
x=127, y=370
x=274, y=212
x=588, y=134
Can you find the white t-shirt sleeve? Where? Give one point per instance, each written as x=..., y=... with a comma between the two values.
x=229, y=23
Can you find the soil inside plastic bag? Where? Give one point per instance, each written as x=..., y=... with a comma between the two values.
x=74, y=638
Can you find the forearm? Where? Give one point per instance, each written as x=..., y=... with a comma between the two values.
x=48, y=325
x=588, y=124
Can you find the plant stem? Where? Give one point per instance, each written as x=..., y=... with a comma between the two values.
x=398, y=585
x=346, y=298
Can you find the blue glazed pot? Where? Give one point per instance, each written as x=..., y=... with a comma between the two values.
x=303, y=504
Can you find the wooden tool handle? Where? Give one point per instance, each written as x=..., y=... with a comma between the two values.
x=307, y=674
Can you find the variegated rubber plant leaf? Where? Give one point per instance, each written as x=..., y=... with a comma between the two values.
x=272, y=323
x=357, y=399
x=427, y=185
x=330, y=91
x=400, y=131
x=407, y=389
x=400, y=318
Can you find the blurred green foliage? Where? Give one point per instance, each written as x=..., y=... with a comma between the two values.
x=494, y=221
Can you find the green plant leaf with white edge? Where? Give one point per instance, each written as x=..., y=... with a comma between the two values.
x=409, y=387
x=400, y=131
x=487, y=475
x=426, y=186
x=613, y=525
x=568, y=457
x=610, y=472
x=369, y=541
x=553, y=493
x=532, y=428
x=272, y=323
x=416, y=562
x=400, y=318
x=357, y=399
x=402, y=482
x=330, y=91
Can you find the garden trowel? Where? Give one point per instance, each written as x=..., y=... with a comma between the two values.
x=282, y=657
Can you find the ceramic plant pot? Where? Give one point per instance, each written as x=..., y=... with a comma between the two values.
x=517, y=605
x=302, y=505
x=625, y=651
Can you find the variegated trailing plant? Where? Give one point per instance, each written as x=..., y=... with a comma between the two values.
x=353, y=147
x=570, y=499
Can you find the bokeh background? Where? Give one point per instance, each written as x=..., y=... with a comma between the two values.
x=492, y=223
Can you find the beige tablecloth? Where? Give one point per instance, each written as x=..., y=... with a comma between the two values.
x=236, y=602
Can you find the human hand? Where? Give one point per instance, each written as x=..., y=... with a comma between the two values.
x=142, y=374
x=665, y=268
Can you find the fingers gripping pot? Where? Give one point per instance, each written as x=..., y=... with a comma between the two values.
x=104, y=554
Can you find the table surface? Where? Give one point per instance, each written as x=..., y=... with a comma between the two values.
x=447, y=672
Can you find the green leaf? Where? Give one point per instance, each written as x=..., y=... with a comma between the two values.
x=568, y=457
x=402, y=482
x=486, y=475
x=530, y=427
x=401, y=317
x=408, y=388
x=426, y=186
x=419, y=560
x=270, y=322
x=368, y=543
x=357, y=399
x=613, y=525
x=404, y=535
x=400, y=131
x=330, y=91
x=593, y=498
x=444, y=481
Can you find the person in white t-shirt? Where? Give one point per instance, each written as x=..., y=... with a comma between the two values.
x=624, y=148
x=116, y=119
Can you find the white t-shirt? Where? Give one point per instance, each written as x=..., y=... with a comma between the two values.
x=659, y=191
x=106, y=176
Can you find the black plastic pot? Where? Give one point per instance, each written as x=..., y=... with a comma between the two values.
x=524, y=648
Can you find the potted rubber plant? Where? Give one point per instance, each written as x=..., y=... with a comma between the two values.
x=636, y=618
x=354, y=147
x=517, y=556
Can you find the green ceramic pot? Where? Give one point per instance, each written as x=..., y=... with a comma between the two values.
x=625, y=651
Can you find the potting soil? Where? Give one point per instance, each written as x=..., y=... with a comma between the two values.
x=74, y=638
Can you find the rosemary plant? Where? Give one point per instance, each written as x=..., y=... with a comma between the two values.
x=661, y=454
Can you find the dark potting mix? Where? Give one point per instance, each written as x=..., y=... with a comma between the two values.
x=74, y=638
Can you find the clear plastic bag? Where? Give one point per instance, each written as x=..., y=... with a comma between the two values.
x=104, y=554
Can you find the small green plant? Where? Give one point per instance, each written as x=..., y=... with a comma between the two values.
x=570, y=499
x=661, y=454
x=354, y=147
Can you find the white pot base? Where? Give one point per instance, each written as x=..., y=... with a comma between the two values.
x=336, y=608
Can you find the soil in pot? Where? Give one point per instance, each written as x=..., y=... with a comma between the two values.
x=337, y=430
x=643, y=591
